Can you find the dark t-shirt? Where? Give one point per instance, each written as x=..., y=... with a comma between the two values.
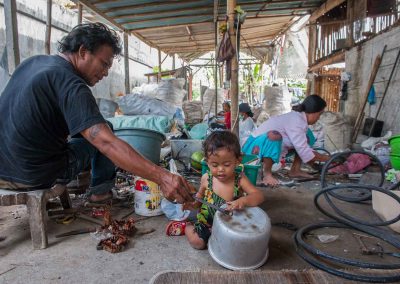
x=44, y=102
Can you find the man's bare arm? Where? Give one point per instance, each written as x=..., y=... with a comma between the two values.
x=125, y=157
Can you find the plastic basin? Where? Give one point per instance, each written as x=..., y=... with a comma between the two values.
x=147, y=142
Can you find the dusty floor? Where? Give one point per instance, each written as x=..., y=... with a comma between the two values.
x=75, y=259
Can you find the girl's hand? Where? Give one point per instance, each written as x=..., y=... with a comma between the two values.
x=237, y=204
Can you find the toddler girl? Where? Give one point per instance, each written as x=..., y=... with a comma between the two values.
x=220, y=185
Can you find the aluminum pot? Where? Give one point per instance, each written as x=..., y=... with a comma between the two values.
x=240, y=241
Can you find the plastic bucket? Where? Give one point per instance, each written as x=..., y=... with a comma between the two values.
x=394, y=142
x=147, y=142
x=147, y=198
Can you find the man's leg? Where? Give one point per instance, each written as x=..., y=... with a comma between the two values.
x=82, y=155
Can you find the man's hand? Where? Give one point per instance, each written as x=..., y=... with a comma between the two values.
x=176, y=189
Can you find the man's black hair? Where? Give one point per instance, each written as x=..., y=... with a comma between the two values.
x=91, y=36
x=221, y=139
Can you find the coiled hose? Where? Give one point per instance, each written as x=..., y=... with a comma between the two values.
x=331, y=263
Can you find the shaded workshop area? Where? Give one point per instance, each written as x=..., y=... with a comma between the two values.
x=185, y=69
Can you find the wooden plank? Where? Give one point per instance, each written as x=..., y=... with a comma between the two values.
x=335, y=58
x=12, y=43
x=326, y=7
x=10, y=197
x=374, y=71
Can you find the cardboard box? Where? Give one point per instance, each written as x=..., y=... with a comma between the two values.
x=386, y=207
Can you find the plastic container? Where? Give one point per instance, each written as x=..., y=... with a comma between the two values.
x=251, y=171
x=147, y=198
x=395, y=161
x=147, y=142
x=394, y=142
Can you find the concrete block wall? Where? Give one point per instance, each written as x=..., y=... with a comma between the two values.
x=359, y=63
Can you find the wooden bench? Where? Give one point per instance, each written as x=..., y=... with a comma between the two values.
x=36, y=205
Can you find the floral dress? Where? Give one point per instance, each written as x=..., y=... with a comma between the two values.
x=206, y=214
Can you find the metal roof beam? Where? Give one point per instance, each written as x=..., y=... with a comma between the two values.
x=159, y=4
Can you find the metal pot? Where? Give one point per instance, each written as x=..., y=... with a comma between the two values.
x=240, y=242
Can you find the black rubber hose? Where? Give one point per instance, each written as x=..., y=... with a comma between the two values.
x=313, y=256
x=339, y=156
x=302, y=248
x=346, y=216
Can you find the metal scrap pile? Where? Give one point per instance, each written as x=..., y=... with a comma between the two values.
x=120, y=231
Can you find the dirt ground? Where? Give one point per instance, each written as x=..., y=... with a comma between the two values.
x=74, y=259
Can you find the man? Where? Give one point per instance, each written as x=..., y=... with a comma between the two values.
x=47, y=99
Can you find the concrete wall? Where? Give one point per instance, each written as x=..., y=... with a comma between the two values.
x=359, y=62
x=31, y=34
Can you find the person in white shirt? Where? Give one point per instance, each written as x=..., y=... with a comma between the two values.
x=246, y=123
x=276, y=136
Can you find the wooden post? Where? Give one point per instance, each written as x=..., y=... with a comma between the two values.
x=10, y=12
x=173, y=61
x=312, y=43
x=159, y=66
x=234, y=91
x=47, y=41
x=350, y=22
x=80, y=13
x=126, y=62
x=190, y=93
x=216, y=54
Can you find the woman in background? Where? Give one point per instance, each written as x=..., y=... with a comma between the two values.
x=278, y=135
x=246, y=123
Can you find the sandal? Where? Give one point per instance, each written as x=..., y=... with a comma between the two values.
x=175, y=228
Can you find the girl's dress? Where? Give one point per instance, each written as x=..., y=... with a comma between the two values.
x=206, y=214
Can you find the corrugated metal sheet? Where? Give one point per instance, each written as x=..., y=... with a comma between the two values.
x=186, y=27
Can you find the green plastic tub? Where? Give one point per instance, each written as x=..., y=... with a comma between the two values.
x=251, y=171
x=394, y=142
x=395, y=161
x=147, y=142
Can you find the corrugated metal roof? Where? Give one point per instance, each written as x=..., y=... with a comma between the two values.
x=186, y=27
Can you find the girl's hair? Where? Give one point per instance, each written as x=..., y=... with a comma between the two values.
x=311, y=104
x=227, y=104
x=91, y=36
x=221, y=139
